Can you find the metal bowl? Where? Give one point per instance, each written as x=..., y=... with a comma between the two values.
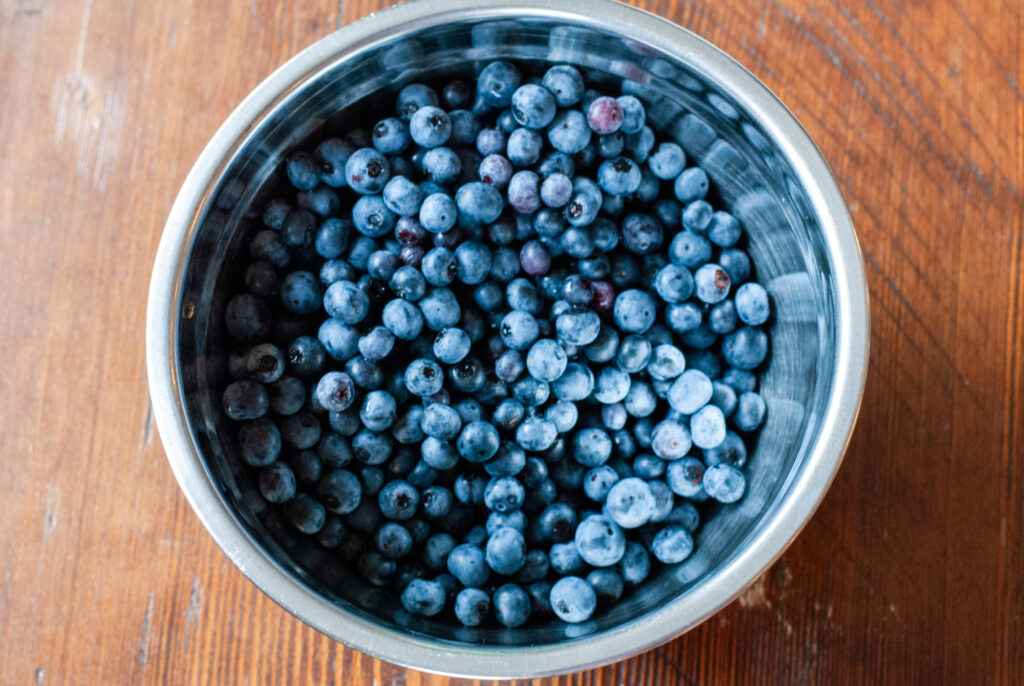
x=767, y=171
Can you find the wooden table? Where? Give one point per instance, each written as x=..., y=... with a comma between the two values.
x=910, y=573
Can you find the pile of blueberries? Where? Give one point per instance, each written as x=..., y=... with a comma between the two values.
x=496, y=348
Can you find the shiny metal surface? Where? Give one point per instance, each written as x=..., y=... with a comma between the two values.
x=767, y=170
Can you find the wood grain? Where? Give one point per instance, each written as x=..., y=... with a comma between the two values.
x=909, y=574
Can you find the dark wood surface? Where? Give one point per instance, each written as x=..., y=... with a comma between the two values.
x=910, y=573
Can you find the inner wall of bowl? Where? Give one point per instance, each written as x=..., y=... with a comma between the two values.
x=753, y=179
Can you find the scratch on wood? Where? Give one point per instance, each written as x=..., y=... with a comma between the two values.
x=195, y=607
x=172, y=35
x=147, y=436
x=147, y=622
x=82, y=37
x=40, y=675
x=50, y=517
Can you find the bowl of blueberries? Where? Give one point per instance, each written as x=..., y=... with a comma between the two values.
x=505, y=338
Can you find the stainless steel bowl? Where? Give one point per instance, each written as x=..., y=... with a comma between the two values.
x=767, y=170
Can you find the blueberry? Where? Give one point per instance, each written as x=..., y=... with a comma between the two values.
x=614, y=416
x=268, y=246
x=336, y=270
x=604, y=115
x=667, y=161
x=598, y=481
x=573, y=599
x=413, y=97
x=630, y=503
x=639, y=144
x=465, y=127
x=563, y=414
x=366, y=171
x=301, y=430
x=478, y=442
x=685, y=513
x=750, y=411
x=535, y=434
x=508, y=461
x=440, y=309
x=299, y=228
x=509, y=365
x=723, y=230
x=305, y=514
x=546, y=360
x=535, y=567
x=684, y=317
x=584, y=204
x=402, y=196
x=600, y=541
x=473, y=262
x=535, y=258
x=277, y=483
x=302, y=170
x=724, y=397
x=245, y=399
x=468, y=377
x=376, y=344
x=333, y=533
x=393, y=540
x=378, y=410
x=332, y=154
x=504, y=264
x=576, y=383
x=642, y=233
x=398, y=500
x=334, y=450
x=556, y=190
x=438, y=454
x=633, y=114
x=518, y=330
x=674, y=283
x=439, y=267
x=731, y=451
x=524, y=147
x=752, y=304
x=641, y=400
x=619, y=176
x=424, y=377
x=436, y=550
x=690, y=392
x=689, y=250
x=635, y=564
x=578, y=328
x=247, y=318
x=692, y=184
x=261, y=279
x=746, y=348
x=495, y=171
x=472, y=607
x=610, y=146
x=438, y=213
x=497, y=83
x=723, y=319
x=335, y=391
x=565, y=83
x=648, y=467
x=736, y=263
x=390, y=136
x=634, y=311
x=612, y=386
x=670, y=440
x=511, y=605
x=306, y=467
x=605, y=346
x=565, y=558
x=370, y=447
x=504, y=494
x=424, y=598
x=707, y=427
x=332, y=238
x=490, y=142
x=430, y=126
x=345, y=423
x=346, y=302
x=724, y=483
x=569, y=132
x=505, y=551
x=467, y=563
x=364, y=373
x=440, y=165
x=259, y=442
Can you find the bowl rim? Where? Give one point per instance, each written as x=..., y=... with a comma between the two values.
x=783, y=523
